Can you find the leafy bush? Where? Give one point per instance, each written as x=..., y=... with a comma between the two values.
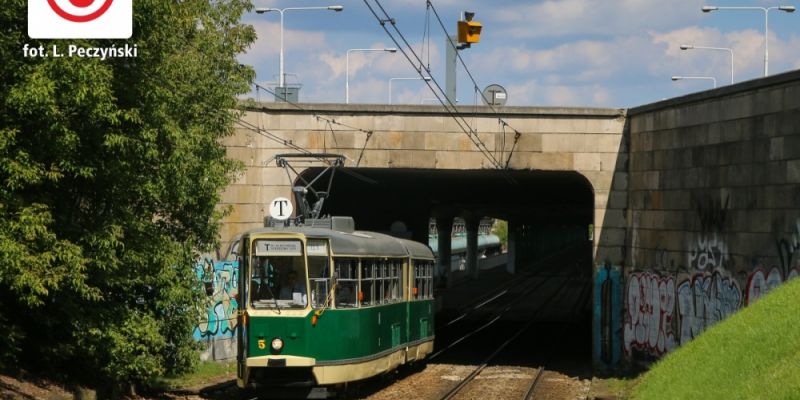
x=112, y=172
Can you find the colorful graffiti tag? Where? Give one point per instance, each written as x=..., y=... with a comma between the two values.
x=759, y=283
x=661, y=314
x=705, y=299
x=220, y=280
x=607, y=313
x=707, y=253
x=650, y=308
x=788, y=247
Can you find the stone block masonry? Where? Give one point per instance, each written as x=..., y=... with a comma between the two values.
x=714, y=216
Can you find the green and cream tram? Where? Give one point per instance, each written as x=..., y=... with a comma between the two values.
x=324, y=306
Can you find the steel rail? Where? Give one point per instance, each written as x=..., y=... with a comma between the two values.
x=469, y=378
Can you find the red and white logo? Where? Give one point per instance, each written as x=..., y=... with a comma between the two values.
x=80, y=19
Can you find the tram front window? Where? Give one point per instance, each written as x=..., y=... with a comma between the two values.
x=278, y=281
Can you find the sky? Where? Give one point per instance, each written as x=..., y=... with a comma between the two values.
x=571, y=53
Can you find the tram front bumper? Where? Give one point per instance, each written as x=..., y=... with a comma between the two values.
x=281, y=361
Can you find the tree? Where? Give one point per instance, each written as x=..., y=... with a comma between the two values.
x=500, y=229
x=112, y=172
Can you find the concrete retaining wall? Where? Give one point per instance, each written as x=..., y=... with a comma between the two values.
x=714, y=208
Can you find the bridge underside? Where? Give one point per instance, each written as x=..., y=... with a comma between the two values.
x=378, y=197
x=546, y=211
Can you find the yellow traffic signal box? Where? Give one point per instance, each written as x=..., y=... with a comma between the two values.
x=469, y=31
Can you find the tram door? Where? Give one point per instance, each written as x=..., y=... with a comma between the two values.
x=244, y=284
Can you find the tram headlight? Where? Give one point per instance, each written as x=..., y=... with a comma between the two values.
x=277, y=345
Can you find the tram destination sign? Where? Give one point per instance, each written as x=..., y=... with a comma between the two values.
x=279, y=248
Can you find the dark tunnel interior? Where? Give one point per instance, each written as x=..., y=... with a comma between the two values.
x=552, y=212
x=377, y=197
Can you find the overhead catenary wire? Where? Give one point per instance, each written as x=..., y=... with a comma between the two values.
x=271, y=136
x=328, y=120
x=460, y=59
x=317, y=116
x=288, y=143
x=517, y=135
x=431, y=7
x=408, y=51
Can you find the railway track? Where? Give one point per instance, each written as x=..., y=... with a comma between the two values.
x=470, y=378
x=542, y=271
x=496, y=304
x=460, y=389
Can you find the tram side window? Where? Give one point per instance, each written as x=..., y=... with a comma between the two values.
x=386, y=279
x=380, y=278
x=391, y=282
x=320, y=279
x=428, y=280
x=346, y=282
x=368, y=271
x=397, y=282
x=423, y=280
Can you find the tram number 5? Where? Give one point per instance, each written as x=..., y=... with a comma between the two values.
x=262, y=344
x=280, y=208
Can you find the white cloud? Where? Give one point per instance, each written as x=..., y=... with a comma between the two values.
x=747, y=46
x=411, y=91
x=535, y=92
x=369, y=75
x=582, y=60
x=266, y=49
x=598, y=17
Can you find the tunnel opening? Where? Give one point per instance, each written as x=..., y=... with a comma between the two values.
x=549, y=216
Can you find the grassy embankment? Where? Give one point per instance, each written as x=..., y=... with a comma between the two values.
x=754, y=354
x=208, y=372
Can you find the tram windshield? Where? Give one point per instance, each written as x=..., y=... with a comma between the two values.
x=278, y=275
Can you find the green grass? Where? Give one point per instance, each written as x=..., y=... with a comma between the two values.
x=754, y=354
x=208, y=372
x=617, y=388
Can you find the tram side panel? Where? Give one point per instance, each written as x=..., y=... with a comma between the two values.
x=343, y=344
x=420, y=309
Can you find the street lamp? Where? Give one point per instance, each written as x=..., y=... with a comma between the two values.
x=347, y=69
x=691, y=46
x=281, y=80
x=789, y=9
x=677, y=78
x=427, y=78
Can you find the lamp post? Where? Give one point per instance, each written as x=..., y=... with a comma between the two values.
x=691, y=47
x=789, y=9
x=427, y=78
x=281, y=80
x=677, y=78
x=347, y=69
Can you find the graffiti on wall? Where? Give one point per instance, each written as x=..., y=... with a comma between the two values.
x=709, y=252
x=665, y=308
x=608, y=292
x=760, y=282
x=650, y=307
x=705, y=299
x=712, y=213
x=220, y=282
x=787, y=249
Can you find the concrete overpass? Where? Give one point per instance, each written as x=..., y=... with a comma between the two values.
x=566, y=166
x=694, y=201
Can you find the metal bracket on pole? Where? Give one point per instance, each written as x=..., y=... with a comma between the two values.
x=451, y=57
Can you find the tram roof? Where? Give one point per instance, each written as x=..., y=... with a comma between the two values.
x=358, y=243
